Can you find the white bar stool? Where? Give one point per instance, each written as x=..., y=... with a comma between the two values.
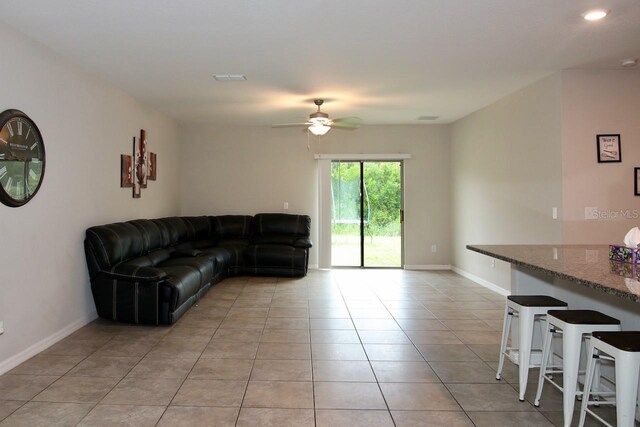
x=526, y=308
x=573, y=325
x=624, y=349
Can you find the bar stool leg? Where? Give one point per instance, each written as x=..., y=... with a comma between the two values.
x=591, y=364
x=525, y=336
x=546, y=350
x=506, y=326
x=627, y=371
x=571, y=343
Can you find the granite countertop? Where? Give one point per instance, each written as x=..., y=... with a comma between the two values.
x=587, y=265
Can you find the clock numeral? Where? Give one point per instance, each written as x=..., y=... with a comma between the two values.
x=34, y=145
x=9, y=182
x=33, y=175
x=10, y=129
x=20, y=128
x=3, y=172
x=28, y=132
x=4, y=141
x=1, y=155
x=18, y=188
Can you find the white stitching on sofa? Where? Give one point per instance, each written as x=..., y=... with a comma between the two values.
x=115, y=288
x=106, y=255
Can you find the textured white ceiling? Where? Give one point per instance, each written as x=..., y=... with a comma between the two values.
x=385, y=61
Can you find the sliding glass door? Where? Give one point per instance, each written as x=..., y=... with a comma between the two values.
x=366, y=222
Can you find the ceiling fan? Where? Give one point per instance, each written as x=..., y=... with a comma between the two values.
x=319, y=123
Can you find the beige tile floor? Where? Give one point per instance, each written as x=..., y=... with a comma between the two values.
x=336, y=348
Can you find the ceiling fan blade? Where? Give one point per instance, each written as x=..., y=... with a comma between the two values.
x=347, y=122
x=290, y=125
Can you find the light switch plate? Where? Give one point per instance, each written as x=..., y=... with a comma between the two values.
x=286, y=205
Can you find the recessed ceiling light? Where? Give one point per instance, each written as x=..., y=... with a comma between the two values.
x=595, y=14
x=629, y=62
x=229, y=77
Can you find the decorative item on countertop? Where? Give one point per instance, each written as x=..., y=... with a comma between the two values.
x=624, y=269
x=628, y=253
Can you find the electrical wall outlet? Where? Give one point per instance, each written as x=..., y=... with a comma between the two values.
x=434, y=248
x=493, y=263
x=285, y=205
x=1, y=327
x=554, y=213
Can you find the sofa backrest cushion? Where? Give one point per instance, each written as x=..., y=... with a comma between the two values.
x=199, y=227
x=151, y=234
x=113, y=243
x=232, y=226
x=270, y=224
x=174, y=230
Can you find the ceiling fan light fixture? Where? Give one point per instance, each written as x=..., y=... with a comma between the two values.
x=319, y=129
x=320, y=121
x=595, y=14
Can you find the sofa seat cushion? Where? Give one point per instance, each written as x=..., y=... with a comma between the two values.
x=279, y=257
x=202, y=264
x=228, y=255
x=222, y=256
x=184, y=282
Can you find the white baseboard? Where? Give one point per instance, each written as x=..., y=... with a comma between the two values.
x=480, y=281
x=43, y=344
x=313, y=266
x=428, y=267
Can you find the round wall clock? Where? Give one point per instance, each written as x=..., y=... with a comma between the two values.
x=22, y=158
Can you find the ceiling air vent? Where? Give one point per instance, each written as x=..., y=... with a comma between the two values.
x=428, y=117
x=230, y=77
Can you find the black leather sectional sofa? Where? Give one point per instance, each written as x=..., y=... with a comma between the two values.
x=152, y=271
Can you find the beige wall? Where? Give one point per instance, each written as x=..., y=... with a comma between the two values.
x=86, y=124
x=506, y=177
x=599, y=102
x=250, y=170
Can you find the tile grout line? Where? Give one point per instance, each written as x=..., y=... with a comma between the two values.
x=384, y=399
x=255, y=356
x=193, y=366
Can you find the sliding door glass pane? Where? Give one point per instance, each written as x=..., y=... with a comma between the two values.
x=345, y=218
x=382, y=204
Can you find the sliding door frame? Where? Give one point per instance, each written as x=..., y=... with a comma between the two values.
x=363, y=191
x=325, y=204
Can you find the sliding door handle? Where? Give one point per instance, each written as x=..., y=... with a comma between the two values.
x=401, y=216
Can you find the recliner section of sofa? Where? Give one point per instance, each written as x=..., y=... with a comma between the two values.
x=152, y=271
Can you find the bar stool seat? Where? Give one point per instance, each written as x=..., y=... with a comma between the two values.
x=624, y=349
x=526, y=308
x=584, y=317
x=536, y=301
x=574, y=325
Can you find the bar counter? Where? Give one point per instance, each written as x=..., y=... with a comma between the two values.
x=586, y=265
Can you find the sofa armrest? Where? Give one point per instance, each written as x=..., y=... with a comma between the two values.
x=302, y=243
x=184, y=252
x=132, y=273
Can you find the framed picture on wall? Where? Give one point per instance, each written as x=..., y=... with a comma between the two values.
x=142, y=159
x=636, y=181
x=136, y=175
x=609, y=150
x=152, y=166
x=126, y=171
